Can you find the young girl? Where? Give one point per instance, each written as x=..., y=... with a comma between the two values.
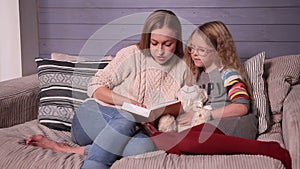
x=213, y=57
x=144, y=74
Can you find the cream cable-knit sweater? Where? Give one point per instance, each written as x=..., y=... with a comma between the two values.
x=140, y=77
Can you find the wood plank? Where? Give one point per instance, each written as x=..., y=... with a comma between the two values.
x=286, y=33
x=272, y=49
x=82, y=47
x=100, y=48
x=77, y=31
x=265, y=33
x=165, y=3
x=249, y=16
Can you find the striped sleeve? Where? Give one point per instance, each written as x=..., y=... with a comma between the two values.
x=235, y=87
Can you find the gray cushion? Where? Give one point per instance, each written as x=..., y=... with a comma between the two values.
x=280, y=74
x=15, y=154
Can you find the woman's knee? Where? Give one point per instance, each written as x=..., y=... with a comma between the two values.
x=87, y=106
x=123, y=125
x=83, y=128
x=138, y=144
x=78, y=134
x=91, y=118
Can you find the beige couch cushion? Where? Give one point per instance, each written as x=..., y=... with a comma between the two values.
x=15, y=154
x=280, y=74
x=162, y=160
x=290, y=123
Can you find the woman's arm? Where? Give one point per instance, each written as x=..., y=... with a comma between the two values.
x=108, y=96
x=113, y=74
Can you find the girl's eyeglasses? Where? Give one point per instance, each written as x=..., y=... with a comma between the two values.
x=200, y=51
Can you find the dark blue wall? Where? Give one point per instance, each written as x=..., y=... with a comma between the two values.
x=257, y=25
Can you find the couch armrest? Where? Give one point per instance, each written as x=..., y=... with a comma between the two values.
x=291, y=124
x=19, y=100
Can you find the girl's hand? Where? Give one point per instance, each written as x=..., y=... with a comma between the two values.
x=150, y=129
x=185, y=119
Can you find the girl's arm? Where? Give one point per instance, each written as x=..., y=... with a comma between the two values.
x=239, y=97
x=231, y=110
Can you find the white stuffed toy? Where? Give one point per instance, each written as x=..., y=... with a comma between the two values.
x=193, y=99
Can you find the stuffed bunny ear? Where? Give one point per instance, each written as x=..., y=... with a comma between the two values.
x=203, y=95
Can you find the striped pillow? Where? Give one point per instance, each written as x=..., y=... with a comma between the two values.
x=254, y=68
x=63, y=88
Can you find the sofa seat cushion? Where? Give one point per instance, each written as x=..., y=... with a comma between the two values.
x=274, y=134
x=15, y=154
x=162, y=160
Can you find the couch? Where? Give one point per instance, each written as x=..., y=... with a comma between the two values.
x=19, y=112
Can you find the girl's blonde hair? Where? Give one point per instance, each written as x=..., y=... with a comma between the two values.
x=157, y=20
x=218, y=36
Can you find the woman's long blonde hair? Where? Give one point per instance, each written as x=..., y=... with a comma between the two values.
x=218, y=36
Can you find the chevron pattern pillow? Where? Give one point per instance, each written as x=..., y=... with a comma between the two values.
x=63, y=88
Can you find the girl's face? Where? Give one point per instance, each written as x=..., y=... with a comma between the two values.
x=203, y=55
x=162, y=44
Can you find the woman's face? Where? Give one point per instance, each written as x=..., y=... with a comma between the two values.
x=162, y=44
x=202, y=54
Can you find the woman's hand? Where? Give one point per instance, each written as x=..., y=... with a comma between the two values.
x=185, y=119
x=137, y=103
x=150, y=129
x=108, y=96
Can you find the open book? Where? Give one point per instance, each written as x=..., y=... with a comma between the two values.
x=151, y=114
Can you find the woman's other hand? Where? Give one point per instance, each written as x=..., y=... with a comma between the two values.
x=150, y=129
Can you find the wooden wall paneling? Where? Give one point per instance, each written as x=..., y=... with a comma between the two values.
x=165, y=3
x=110, y=47
x=273, y=33
x=255, y=25
x=247, y=16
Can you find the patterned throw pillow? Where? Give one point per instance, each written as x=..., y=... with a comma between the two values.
x=255, y=69
x=63, y=88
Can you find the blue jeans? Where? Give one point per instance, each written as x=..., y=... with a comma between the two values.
x=107, y=134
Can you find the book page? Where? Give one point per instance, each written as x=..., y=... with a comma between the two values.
x=136, y=109
x=164, y=104
x=149, y=115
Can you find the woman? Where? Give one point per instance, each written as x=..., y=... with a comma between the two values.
x=212, y=55
x=144, y=74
